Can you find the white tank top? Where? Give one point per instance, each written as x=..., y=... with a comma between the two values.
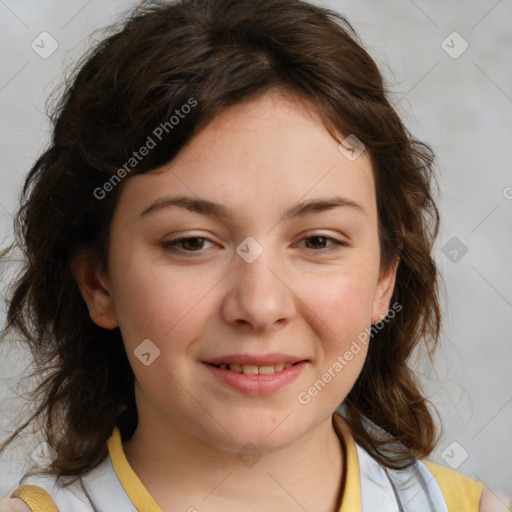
x=113, y=486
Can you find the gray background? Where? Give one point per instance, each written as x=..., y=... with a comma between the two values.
x=461, y=106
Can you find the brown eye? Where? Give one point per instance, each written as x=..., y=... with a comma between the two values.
x=185, y=245
x=321, y=240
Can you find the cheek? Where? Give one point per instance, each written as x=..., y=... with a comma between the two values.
x=342, y=313
x=343, y=299
x=342, y=305
x=155, y=301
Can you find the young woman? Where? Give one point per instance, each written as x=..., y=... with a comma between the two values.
x=229, y=237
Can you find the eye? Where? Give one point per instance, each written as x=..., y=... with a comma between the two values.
x=319, y=239
x=190, y=244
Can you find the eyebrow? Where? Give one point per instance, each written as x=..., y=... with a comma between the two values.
x=212, y=209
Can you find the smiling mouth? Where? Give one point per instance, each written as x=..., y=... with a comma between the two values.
x=252, y=369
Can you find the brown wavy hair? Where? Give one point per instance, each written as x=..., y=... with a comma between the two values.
x=219, y=52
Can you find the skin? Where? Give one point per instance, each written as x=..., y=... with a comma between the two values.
x=289, y=299
x=258, y=158
x=491, y=501
x=13, y=505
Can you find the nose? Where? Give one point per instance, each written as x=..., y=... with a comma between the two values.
x=258, y=295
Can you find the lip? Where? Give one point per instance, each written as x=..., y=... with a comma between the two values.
x=258, y=360
x=257, y=384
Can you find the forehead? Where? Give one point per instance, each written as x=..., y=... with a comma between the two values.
x=263, y=154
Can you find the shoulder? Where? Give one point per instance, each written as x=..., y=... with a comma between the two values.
x=9, y=504
x=493, y=501
x=97, y=489
x=451, y=478
x=43, y=492
x=28, y=498
x=464, y=493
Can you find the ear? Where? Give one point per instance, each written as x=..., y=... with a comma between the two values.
x=384, y=292
x=95, y=289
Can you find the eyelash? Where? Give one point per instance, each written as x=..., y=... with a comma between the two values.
x=171, y=245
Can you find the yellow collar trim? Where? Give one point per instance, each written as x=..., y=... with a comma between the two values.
x=351, y=496
x=36, y=498
x=140, y=497
x=135, y=489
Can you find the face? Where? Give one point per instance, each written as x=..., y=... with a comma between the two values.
x=252, y=286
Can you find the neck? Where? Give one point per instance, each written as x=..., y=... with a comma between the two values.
x=183, y=472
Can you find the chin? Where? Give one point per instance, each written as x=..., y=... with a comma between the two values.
x=268, y=433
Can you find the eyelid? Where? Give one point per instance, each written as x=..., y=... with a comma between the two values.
x=340, y=237
x=178, y=239
x=336, y=246
x=337, y=242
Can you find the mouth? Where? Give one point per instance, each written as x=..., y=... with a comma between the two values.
x=252, y=369
x=256, y=375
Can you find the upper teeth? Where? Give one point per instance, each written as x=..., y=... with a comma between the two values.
x=252, y=369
